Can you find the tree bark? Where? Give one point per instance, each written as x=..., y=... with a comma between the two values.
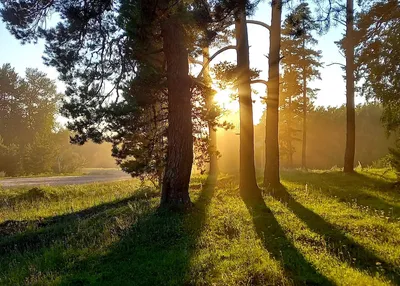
x=271, y=172
x=212, y=149
x=304, y=149
x=248, y=183
x=175, y=188
x=350, y=106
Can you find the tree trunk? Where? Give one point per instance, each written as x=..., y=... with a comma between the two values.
x=212, y=149
x=175, y=188
x=248, y=183
x=304, y=149
x=350, y=106
x=271, y=172
x=289, y=126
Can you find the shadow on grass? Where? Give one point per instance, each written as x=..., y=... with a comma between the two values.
x=347, y=188
x=338, y=244
x=31, y=230
x=157, y=250
x=295, y=266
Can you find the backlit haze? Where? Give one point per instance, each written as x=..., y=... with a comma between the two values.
x=332, y=84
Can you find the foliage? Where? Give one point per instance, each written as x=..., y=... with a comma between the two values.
x=395, y=159
x=27, y=111
x=378, y=61
x=301, y=64
x=109, y=54
x=30, y=140
x=336, y=229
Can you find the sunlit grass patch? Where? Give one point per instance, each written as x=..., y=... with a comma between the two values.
x=328, y=229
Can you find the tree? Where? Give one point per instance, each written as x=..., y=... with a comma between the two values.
x=378, y=62
x=27, y=111
x=175, y=190
x=326, y=136
x=271, y=172
x=289, y=112
x=98, y=48
x=350, y=105
x=212, y=132
x=248, y=184
x=300, y=58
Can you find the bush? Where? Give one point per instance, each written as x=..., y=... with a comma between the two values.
x=384, y=162
x=395, y=160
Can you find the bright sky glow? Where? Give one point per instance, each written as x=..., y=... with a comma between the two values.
x=332, y=84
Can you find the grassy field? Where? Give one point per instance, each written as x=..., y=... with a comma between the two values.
x=322, y=228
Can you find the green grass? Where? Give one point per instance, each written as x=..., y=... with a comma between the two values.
x=322, y=228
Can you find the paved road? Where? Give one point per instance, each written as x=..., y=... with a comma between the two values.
x=66, y=180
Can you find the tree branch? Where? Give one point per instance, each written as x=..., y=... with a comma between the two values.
x=214, y=56
x=339, y=64
x=259, y=81
x=259, y=23
x=194, y=61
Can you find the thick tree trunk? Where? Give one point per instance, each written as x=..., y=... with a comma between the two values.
x=175, y=188
x=248, y=183
x=212, y=149
x=350, y=106
x=304, y=149
x=271, y=172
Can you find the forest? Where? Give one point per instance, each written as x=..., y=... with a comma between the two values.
x=306, y=195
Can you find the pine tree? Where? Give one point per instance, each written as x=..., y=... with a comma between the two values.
x=126, y=71
x=271, y=172
x=378, y=59
x=248, y=184
x=350, y=104
x=300, y=59
x=289, y=113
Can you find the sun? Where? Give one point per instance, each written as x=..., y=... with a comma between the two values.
x=224, y=99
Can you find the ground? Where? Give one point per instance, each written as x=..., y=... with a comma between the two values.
x=322, y=228
x=85, y=176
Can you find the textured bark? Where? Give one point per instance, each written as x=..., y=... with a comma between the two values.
x=248, y=184
x=175, y=188
x=212, y=149
x=271, y=172
x=350, y=106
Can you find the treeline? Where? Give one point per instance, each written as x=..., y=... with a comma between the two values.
x=31, y=142
x=326, y=137
x=326, y=131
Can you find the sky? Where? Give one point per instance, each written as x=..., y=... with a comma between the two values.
x=331, y=85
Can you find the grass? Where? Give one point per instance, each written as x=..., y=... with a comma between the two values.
x=78, y=172
x=321, y=228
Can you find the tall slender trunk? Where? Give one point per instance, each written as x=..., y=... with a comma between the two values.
x=289, y=126
x=271, y=172
x=212, y=149
x=248, y=183
x=175, y=188
x=304, y=149
x=350, y=106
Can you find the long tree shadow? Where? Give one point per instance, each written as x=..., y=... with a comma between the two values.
x=296, y=267
x=346, y=188
x=157, y=250
x=340, y=245
x=34, y=234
